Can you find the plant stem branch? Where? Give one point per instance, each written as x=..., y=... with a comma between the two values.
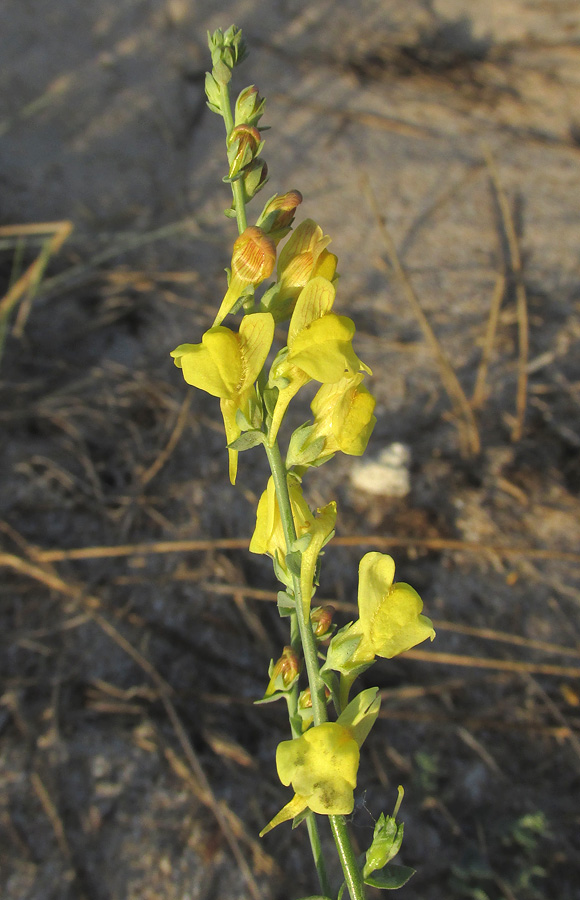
x=352, y=873
x=344, y=847
x=237, y=188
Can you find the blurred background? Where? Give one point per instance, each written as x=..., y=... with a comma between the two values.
x=438, y=143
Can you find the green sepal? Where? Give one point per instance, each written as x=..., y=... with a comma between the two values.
x=270, y=396
x=340, y=651
x=286, y=604
x=297, y=820
x=242, y=421
x=298, y=453
x=278, y=695
x=293, y=562
x=330, y=679
x=281, y=574
x=221, y=73
x=230, y=212
x=212, y=92
x=247, y=440
x=269, y=295
x=301, y=543
x=391, y=878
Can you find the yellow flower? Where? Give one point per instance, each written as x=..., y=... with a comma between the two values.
x=301, y=254
x=269, y=537
x=319, y=347
x=390, y=619
x=303, y=257
x=343, y=414
x=226, y=365
x=268, y=534
x=253, y=260
x=322, y=764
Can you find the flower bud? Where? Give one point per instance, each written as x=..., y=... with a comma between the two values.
x=321, y=620
x=249, y=106
x=244, y=143
x=253, y=257
x=278, y=214
x=254, y=178
x=284, y=672
x=305, y=699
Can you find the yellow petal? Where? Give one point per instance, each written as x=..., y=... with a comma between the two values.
x=315, y=300
x=307, y=237
x=325, y=265
x=326, y=754
x=344, y=416
x=321, y=528
x=323, y=349
x=233, y=430
x=297, y=379
x=202, y=371
x=292, y=809
x=224, y=348
x=256, y=336
x=398, y=624
x=375, y=576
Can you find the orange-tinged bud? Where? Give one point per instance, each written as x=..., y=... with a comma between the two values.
x=305, y=699
x=245, y=143
x=253, y=257
x=278, y=214
x=249, y=106
x=284, y=672
x=321, y=619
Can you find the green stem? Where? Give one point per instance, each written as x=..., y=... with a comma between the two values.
x=352, y=874
x=237, y=188
x=317, y=854
x=307, y=637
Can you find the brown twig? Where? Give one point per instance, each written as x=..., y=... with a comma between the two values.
x=478, y=397
x=504, y=665
x=60, y=231
x=382, y=541
x=165, y=454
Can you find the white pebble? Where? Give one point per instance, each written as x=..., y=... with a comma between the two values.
x=386, y=476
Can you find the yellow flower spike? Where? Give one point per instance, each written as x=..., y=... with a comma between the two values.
x=343, y=415
x=321, y=530
x=268, y=537
x=226, y=365
x=390, y=619
x=253, y=260
x=322, y=767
